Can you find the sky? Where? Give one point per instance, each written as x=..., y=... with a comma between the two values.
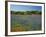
x=24, y=7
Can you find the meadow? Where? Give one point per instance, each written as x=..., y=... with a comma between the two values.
x=25, y=21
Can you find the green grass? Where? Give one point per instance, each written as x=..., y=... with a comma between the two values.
x=20, y=27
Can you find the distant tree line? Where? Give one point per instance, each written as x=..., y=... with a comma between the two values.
x=25, y=12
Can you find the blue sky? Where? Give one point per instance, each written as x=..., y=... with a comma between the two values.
x=24, y=7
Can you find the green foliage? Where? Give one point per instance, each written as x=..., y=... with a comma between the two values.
x=25, y=12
